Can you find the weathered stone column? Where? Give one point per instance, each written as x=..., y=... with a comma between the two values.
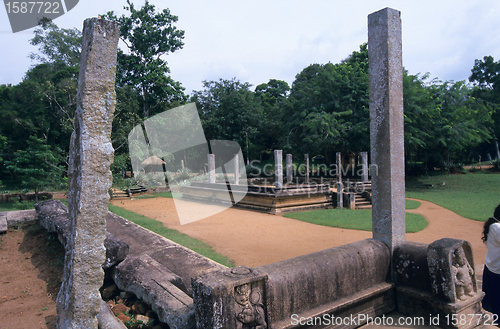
x=182, y=164
x=364, y=164
x=340, y=195
x=306, y=160
x=278, y=168
x=91, y=154
x=339, y=167
x=211, y=168
x=386, y=126
x=236, y=170
x=289, y=169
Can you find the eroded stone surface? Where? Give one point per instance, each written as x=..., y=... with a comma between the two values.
x=91, y=155
x=278, y=168
x=386, y=126
x=53, y=216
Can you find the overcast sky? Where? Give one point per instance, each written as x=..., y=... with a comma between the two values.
x=258, y=40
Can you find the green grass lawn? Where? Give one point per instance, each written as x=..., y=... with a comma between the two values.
x=353, y=219
x=174, y=235
x=360, y=219
x=474, y=195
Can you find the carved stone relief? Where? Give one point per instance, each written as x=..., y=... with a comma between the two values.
x=249, y=307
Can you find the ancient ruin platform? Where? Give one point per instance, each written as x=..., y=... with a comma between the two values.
x=263, y=198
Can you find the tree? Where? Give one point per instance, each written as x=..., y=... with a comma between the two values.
x=229, y=110
x=486, y=80
x=56, y=45
x=273, y=96
x=37, y=166
x=148, y=35
x=335, y=97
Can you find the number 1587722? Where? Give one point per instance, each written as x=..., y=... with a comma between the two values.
x=30, y=7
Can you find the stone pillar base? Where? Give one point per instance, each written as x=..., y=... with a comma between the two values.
x=463, y=314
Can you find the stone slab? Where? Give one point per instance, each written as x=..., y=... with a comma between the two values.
x=19, y=218
x=182, y=261
x=3, y=223
x=155, y=284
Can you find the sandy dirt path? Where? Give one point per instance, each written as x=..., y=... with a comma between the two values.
x=253, y=239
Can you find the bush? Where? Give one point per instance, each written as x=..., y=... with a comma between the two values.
x=496, y=164
x=251, y=170
x=149, y=179
x=456, y=168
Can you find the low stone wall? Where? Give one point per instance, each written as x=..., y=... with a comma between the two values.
x=438, y=279
x=12, y=197
x=53, y=216
x=141, y=262
x=341, y=281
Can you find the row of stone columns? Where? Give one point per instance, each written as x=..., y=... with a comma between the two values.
x=278, y=165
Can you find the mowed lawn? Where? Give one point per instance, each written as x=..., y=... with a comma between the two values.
x=360, y=219
x=473, y=195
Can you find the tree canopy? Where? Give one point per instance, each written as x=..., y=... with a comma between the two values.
x=325, y=110
x=148, y=35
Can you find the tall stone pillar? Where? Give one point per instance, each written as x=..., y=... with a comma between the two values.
x=278, y=168
x=236, y=170
x=289, y=169
x=306, y=160
x=90, y=157
x=386, y=126
x=364, y=166
x=211, y=168
x=339, y=167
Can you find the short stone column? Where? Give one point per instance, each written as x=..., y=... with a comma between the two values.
x=386, y=126
x=352, y=201
x=182, y=164
x=340, y=195
x=339, y=167
x=236, y=170
x=289, y=169
x=364, y=166
x=90, y=156
x=306, y=160
x=211, y=168
x=278, y=168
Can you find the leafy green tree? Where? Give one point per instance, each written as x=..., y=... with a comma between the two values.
x=229, y=110
x=485, y=76
x=335, y=98
x=56, y=45
x=37, y=166
x=273, y=96
x=149, y=35
x=463, y=122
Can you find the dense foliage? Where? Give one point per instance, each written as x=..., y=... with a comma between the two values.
x=325, y=110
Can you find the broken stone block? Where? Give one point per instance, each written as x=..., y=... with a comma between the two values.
x=156, y=285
